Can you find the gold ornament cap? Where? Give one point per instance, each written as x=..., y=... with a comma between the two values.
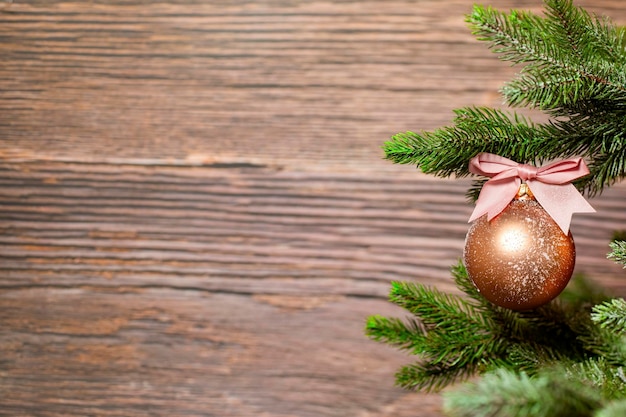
x=524, y=193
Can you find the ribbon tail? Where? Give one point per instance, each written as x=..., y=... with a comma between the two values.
x=560, y=201
x=494, y=197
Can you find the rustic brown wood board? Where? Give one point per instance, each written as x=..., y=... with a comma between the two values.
x=195, y=217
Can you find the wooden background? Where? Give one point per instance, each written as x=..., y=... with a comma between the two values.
x=195, y=217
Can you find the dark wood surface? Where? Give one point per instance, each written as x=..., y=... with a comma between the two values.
x=195, y=217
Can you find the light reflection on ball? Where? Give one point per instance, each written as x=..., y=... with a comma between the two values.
x=520, y=259
x=513, y=239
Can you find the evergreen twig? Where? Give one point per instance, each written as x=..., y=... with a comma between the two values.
x=516, y=394
x=611, y=315
x=618, y=252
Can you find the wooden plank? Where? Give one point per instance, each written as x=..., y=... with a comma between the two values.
x=232, y=224
x=174, y=291
x=294, y=83
x=167, y=351
x=134, y=290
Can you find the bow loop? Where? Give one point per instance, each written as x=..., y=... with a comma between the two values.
x=551, y=185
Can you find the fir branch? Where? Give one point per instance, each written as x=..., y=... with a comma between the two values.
x=607, y=378
x=545, y=89
x=531, y=357
x=618, y=252
x=514, y=37
x=463, y=350
x=407, y=336
x=446, y=151
x=590, y=38
x=525, y=332
x=604, y=343
x=560, y=54
x=429, y=377
x=573, y=69
x=445, y=358
x=597, y=133
x=510, y=394
x=611, y=315
x=608, y=167
x=456, y=337
x=435, y=308
x=568, y=23
x=449, y=334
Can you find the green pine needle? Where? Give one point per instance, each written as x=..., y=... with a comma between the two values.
x=436, y=309
x=618, y=252
x=408, y=335
x=447, y=151
x=611, y=315
x=512, y=394
x=568, y=55
x=428, y=377
x=607, y=378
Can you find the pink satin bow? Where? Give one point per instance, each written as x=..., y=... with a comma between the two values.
x=550, y=184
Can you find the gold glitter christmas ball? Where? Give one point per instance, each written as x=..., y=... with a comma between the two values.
x=520, y=259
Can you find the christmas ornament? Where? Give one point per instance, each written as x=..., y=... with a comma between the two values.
x=520, y=259
x=518, y=251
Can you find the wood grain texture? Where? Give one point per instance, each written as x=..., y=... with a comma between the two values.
x=195, y=219
x=285, y=82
